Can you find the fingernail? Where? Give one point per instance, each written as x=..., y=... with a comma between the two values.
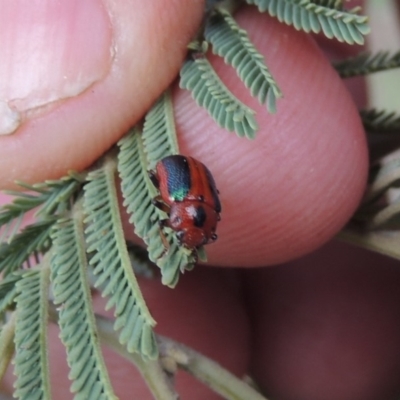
x=51, y=51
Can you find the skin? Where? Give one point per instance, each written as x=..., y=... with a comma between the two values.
x=324, y=326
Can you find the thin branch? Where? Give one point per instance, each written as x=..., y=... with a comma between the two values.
x=207, y=371
x=156, y=379
x=174, y=353
x=366, y=63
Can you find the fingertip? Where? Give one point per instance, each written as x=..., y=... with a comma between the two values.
x=292, y=188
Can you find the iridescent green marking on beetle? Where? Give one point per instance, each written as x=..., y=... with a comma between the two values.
x=178, y=177
x=179, y=194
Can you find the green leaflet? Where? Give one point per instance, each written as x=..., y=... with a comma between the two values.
x=383, y=176
x=30, y=362
x=335, y=4
x=76, y=317
x=7, y=348
x=8, y=291
x=366, y=63
x=12, y=214
x=111, y=263
x=198, y=76
x=380, y=121
x=233, y=44
x=138, y=192
x=159, y=133
x=387, y=218
x=345, y=26
x=49, y=197
x=136, y=186
x=35, y=238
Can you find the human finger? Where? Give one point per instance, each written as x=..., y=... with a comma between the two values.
x=76, y=76
x=327, y=325
x=293, y=187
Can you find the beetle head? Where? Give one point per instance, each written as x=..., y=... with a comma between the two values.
x=194, y=222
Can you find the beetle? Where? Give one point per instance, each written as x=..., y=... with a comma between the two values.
x=187, y=193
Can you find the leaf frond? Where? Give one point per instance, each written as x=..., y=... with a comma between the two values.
x=159, y=132
x=383, y=176
x=233, y=44
x=209, y=92
x=12, y=214
x=8, y=291
x=58, y=192
x=30, y=361
x=76, y=317
x=137, y=189
x=7, y=347
x=380, y=121
x=387, y=218
x=335, y=4
x=33, y=239
x=111, y=262
x=48, y=198
x=138, y=192
x=366, y=63
x=345, y=26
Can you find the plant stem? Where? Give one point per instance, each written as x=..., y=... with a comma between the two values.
x=208, y=371
x=153, y=373
x=172, y=355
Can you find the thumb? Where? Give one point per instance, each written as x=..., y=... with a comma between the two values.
x=76, y=75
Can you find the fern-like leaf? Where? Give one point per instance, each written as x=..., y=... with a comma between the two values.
x=8, y=291
x=137, y=189
x=233, y=44
x=159, y=133
x=76, y=317
x=383, y=176
x=335, y=4
x=345, y=26
x=386, y=218
x=35, y=238
x=380, y=121
x=49, y=198
x=31, y=363
x=7, y=348
x=198, y=76
x=58, y=193
x=138, y=192
x=12, y=214
x=367, y=63
x=111, y=262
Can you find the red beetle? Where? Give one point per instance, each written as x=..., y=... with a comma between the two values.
x=189, y=196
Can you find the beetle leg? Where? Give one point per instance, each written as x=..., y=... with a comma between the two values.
x=159, y=203
x=214, y=237
x=179, y=235
x=154, y=179
x=162, y=223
